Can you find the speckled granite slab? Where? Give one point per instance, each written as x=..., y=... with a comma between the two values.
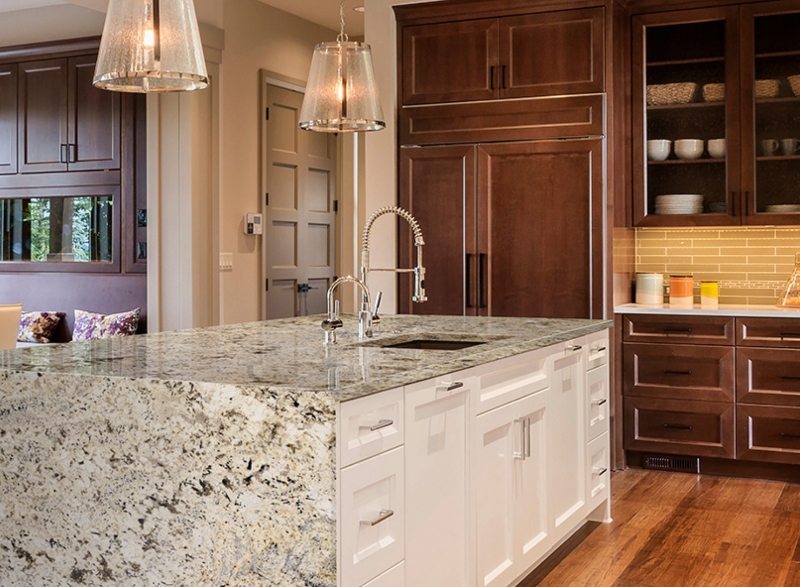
x=203, y=457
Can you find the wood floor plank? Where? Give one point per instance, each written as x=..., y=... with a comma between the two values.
x=672, y=529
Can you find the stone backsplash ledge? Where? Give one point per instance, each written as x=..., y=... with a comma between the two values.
x=751, y=264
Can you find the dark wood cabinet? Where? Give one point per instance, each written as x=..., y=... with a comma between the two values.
x=768, y=434
x=540, y=54
x=716, y=330
x=8, y=119
x=768, y=332
x=497, y=215
x=768, y=376
x=64, y=123
x=721, y=74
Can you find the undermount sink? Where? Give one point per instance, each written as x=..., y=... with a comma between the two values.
x=434, y=345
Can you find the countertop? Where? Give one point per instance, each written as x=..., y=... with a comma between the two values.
x=203, y=457
x=289, y=354
x=723, y=310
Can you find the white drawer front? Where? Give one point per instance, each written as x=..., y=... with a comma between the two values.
x=598, y=392
x=599, y=472
x=370, y=425
x=394, y=577
x=371, y=526
x=597, y=344
x=510, y=379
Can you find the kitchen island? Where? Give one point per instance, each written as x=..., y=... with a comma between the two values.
x=206, y=456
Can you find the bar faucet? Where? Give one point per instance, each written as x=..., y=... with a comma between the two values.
x=366, y=317
x=418, y=271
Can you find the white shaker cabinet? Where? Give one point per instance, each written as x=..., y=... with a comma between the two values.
x=437, y=479
x=510, y=488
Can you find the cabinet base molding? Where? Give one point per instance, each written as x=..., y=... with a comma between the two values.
x=725, y=467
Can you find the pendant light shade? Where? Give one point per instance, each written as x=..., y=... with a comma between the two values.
x=150, y=46
x=341, y=95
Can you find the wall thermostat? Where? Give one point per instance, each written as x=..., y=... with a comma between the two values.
x=253, y=224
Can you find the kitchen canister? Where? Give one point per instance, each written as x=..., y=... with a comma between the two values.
x=681, y=290
x=709, y=294
x=649, y=288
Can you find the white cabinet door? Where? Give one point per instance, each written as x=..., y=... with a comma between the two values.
x=567, y=466
x=436, y=473
x=597, y=392
x=510, y=488
x=372, y=512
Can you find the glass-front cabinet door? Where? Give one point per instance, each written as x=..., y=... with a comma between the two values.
x=770, y=48
x=685, y=104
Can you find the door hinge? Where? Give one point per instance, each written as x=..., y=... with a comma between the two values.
x=336, y=206
x=266, y=114
x=267, y=284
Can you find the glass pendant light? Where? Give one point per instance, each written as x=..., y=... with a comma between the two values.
x=150, y=46
x=341, y=95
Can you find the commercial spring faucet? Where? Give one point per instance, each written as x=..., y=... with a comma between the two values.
x=418, y=271
x=366, y=317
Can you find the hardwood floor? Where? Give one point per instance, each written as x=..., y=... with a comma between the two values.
x=672, y=530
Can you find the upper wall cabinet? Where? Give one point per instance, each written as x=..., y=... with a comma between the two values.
x=542, y=54
x=716, y=129
x=8, y=119
x=64, y=123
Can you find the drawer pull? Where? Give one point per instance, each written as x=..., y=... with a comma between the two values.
x=677, y=427
x=378, y=426
x=683, y=330
x=790, y=377
x=599, y=402
x=450, y=386
x=669, y=372
x=600, y=349
x=574, y=348
x=787, y=435
x=790, y=335
x=382, y=517
x=600, y=472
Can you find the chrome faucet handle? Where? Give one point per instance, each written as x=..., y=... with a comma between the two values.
x=331, y=323
x=419, y=285
x=375, y=318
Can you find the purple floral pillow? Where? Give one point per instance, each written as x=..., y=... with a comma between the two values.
x=91, y=326
x=38, y=326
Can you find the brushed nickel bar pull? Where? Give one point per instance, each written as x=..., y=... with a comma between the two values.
x=378, y=426
x=382, y=517
x=520, y=454
x=677, y=427
x=450, y=386
x=599, y=402
x=668, y=372
x=526, y=427
x=600, y=472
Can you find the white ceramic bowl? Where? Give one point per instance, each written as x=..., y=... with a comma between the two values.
x=689, y=148
x=658, y=149
x=716, y=148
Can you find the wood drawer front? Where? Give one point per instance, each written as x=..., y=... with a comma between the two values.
x=768, y=434
x=506, y=120
x=679, y=371
x=769, y=332
x=690, y=329
x=369, y=425
x=679, y=427
x=768, y=376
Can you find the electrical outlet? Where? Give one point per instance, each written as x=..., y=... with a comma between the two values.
x=226, y=261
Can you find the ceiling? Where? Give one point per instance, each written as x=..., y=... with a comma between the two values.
x=322, y=12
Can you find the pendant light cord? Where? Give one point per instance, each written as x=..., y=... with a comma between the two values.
x=342, y=38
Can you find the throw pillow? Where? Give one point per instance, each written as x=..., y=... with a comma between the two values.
x=91, y=326
x=38, y=326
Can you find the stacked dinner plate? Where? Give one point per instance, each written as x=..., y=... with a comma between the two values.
x=679, y=204
x=784, y=208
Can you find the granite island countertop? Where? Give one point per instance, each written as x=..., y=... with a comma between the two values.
x=203, y=457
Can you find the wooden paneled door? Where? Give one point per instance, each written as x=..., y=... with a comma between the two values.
x=540, y=233
x=8, y=118
x=94, y=120
x=437, y=185
x=43, y=138
x=299, y=224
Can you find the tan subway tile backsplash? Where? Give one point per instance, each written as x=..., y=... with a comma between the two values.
x=751, y=264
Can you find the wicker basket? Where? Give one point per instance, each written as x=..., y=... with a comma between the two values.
x=714, y=92
x=767, y=88
x=794, y=81
x=663, y=94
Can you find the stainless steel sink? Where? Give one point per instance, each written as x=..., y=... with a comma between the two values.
x=433, y=345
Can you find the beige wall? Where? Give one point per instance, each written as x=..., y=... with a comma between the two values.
x=257, y=37
x=51, y=23
x=751, y=264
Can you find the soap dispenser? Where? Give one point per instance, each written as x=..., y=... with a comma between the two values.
x=790, y=296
